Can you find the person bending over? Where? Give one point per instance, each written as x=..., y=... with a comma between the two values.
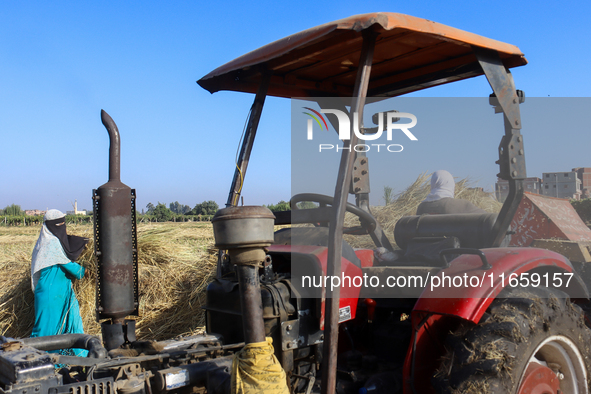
x=52, y=271
x=441, y=198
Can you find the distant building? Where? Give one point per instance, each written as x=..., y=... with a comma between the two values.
x=561, y=185
x=34, y=212
x=81, y=212
x=532, y=185
x=575, y=184
x=584, y=174
x=76, y=211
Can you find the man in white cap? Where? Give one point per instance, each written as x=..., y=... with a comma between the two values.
x=52, y=270
x=441, y=198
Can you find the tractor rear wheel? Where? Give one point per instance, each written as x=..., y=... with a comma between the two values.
x=531, y=341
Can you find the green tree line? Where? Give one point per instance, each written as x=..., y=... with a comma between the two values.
x=29, y=220
x=12, y=210
x=285, y=206
x=178, y=212
x=13, y=215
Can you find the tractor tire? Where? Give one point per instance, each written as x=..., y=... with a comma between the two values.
x=533, y=340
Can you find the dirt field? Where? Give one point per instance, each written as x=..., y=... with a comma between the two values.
x=176, y=262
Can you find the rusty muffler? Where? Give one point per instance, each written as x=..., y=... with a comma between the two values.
x=115, y=244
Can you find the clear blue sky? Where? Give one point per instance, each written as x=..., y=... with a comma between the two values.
x=62, y=62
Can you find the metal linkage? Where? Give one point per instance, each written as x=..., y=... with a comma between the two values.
x=511, y=154
x=248, y=141
x=335, y=237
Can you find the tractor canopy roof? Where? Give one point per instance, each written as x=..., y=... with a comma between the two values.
x=410, y=54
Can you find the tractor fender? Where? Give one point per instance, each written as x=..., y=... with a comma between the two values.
x=466, y=290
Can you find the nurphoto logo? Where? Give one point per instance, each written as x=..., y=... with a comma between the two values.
x=386, y=121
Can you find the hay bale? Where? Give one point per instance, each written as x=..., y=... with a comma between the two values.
x=16, y=298
x=175, y=267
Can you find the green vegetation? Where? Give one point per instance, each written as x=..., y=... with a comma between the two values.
x=583, y=208
x=161, y=213
x=176, y=207
x=26, y=220
x=306, y=205
x=205, y=208
x=177, y=212
x=285, y=206
x=279, y=207
x=388, y=197
x=12, y=210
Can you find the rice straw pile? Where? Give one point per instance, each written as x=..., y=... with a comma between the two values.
x=406, y=204
x=176, y=263
x=175, y=266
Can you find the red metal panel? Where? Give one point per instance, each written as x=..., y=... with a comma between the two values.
x=429, y=347
x=349, y=294
x=366, y=256
x=470, y=302
x=542, y=217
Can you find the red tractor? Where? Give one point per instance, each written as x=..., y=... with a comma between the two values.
x=488, y=336
x=486, y=319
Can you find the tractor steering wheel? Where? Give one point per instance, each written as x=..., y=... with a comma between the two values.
x=368, y=222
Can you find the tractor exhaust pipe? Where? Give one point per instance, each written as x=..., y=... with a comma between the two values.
x=115, y=245
x=67, y=341
x=114, y=147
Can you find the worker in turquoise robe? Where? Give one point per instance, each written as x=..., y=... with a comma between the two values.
x=52, y=271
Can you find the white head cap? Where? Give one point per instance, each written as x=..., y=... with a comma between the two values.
x=442, y=186
x=53, y=214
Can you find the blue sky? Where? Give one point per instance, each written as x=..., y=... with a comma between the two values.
x=62, y=62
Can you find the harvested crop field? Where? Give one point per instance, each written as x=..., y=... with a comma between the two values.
x=176, y=262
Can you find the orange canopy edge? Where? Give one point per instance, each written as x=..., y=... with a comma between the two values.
x=410, y=54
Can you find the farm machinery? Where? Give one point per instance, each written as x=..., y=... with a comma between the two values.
x=519, y=328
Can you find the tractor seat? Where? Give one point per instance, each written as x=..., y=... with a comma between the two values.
x=421, y=238
x=473, y=230
x=317, y=236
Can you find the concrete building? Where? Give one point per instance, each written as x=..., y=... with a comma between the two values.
x=532, y=185
x=575, y=184
x=584, y=174
x=561, y=185
x=34, y=212
x=76, y=211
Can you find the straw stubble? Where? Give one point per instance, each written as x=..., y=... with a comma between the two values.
x=176, y=262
